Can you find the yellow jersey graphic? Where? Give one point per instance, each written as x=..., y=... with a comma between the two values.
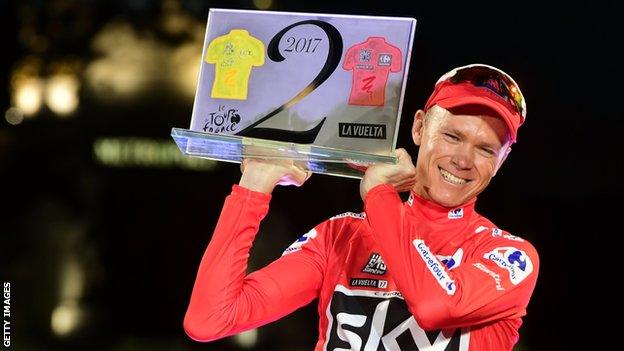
x=233, y=55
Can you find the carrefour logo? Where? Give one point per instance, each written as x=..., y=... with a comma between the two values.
x=456, y=213
x=435, y=267
x=516, y=261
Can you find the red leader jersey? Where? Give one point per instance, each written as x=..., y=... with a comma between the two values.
x=402, y=276
x=371, y=63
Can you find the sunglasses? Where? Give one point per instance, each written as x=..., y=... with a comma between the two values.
x=492, y=79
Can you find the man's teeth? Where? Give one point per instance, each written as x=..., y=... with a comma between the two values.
x=451, y=178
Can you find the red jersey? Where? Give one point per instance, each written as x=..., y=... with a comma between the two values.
x=371, y=62
x=401, y=276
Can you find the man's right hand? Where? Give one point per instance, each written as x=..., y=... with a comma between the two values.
x=401, y=175
x=263, y=175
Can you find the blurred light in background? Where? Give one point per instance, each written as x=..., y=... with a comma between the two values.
x=68, y=315
x=174, y=21
x=27, y=94
x=263, y=4
x=26, y=86
x=66, y=318
x=247, y=339
x=72, y=279
x=145, y=152
x=132, y=63
x=61, y=94
x=14, y=116
x=184, y=68
x=129, y=64
x=29, y=89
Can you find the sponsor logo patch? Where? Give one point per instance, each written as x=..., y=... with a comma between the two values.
x=385, y=60
x=495, y=276
x=456, y=213
x=497, y=232
x=375, y=265
x=452, y=261
x=296, y=246
x=435, y=267
x=374, y=320
x=349, y=214
x=517, y=262
x=365, y=55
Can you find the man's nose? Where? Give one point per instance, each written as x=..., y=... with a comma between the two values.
x=463, y=157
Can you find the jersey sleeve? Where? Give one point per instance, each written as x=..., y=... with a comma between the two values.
x=258, y=51
x=226, y=301
x=397, y=63
x=493, y=284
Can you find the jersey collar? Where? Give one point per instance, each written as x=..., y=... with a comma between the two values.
x=438, y=213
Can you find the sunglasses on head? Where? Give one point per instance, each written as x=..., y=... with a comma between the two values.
x=492, y=79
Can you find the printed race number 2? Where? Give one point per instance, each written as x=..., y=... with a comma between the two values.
x=333, y=59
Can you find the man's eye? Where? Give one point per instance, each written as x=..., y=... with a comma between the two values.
x=488, y=151
x=451, y=137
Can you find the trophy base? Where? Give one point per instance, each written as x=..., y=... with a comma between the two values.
x=317, y=159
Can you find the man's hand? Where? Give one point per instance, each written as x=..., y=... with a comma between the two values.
x=401, y=175
x=263, y=175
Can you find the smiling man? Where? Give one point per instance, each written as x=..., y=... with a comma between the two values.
x=427, y=274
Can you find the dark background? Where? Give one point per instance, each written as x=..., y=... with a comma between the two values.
x=118, y=243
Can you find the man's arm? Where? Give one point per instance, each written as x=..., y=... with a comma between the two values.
x=226, y=301
x=495, y=283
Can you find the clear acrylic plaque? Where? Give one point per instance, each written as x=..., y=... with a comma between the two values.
x=323, y=90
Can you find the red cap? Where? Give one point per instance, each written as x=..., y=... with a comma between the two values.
x=450, y=95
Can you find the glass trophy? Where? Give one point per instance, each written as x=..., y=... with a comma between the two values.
x=325, y=91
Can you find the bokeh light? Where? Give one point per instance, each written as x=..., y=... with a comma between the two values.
x=61, y=94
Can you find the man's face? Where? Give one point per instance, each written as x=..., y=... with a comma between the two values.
x=458, y=154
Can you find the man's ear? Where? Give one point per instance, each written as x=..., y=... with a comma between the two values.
x=418, y=126
x=502, y=159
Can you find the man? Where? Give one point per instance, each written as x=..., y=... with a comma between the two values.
x=428, y=274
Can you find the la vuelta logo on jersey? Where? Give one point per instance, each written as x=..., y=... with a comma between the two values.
x=368, y=320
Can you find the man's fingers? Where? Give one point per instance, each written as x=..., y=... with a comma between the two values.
x=402, y=155
x=295, y=175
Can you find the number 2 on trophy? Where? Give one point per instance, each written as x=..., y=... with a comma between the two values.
x=334, y=55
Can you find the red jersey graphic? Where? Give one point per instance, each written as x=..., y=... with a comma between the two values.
x=402, y=276
x=371, y=62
